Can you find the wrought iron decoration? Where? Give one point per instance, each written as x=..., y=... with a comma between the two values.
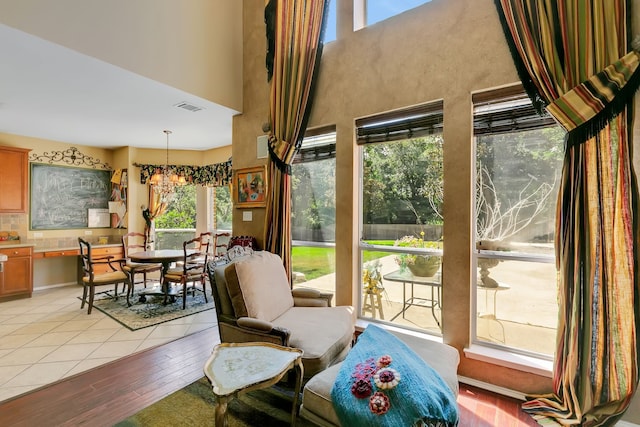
x=70, y=156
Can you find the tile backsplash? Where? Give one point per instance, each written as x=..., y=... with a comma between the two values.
x=20, y=223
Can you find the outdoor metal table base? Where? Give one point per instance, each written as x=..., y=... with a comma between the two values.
x=492, y=316
x=405, y=277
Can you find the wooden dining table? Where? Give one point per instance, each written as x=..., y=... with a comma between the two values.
x=164, y=257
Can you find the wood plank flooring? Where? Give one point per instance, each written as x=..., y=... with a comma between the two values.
x=110, y=393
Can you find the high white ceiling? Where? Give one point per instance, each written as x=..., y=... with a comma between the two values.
x=52, y=92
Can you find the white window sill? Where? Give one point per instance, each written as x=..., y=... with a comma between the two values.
x=511, y=360
x=499, y=357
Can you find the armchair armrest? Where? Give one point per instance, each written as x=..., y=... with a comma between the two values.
x=306, y=297
x=264, y=326
x=250, y=322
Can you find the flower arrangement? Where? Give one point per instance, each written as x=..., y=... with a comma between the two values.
x=372, y=279
x=419, y=265
x=384, y=378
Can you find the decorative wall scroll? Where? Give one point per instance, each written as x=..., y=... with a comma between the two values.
x=70, y=156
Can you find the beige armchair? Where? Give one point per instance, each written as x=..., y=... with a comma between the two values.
x=254, y=302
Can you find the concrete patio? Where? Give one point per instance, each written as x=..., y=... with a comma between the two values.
x=524, y=315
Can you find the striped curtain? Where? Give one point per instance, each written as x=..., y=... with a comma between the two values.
x=574, y=58
x=294, y=48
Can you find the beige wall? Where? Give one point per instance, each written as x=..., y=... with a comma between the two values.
x=445, y=49
x=62, y=270
x=193, y=45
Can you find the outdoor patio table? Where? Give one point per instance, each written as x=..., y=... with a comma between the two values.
x=405, y=277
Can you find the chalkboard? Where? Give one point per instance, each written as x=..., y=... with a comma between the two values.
x=61, y=195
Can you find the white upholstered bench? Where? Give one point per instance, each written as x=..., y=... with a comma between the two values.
x=317, y=406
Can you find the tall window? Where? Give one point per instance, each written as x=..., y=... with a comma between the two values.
x=313, y=212
x=178, y=223
x=379, y=10
x=401, y=221
x=222, y=208
x=330, y=32
x=518, y=165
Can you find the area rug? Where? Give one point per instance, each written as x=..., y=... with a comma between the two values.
x=194, y=405
x=152, y=312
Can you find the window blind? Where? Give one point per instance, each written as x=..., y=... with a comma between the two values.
x=318, y=144
x=407, y=123
x=506, y=110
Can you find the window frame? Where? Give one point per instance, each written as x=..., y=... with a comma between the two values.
x=313, y=153
x=524, y=118
x=428, y=119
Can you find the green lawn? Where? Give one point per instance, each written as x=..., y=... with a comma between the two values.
x=315, y=262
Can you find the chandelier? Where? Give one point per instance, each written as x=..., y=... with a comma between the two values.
x=164, y=181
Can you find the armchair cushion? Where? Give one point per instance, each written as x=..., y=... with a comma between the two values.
x=307, y=297
x=260, y=301
x=325, y=334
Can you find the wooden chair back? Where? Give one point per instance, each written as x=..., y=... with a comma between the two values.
x=196, y=252
x=133, y=242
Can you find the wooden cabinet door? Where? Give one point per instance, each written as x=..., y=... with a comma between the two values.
x=18, y=272
x=13, y=179
x=17, y=276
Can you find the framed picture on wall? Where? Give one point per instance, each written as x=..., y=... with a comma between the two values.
x=250, y=187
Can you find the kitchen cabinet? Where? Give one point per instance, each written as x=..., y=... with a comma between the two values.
x=14, y=175
x=17, y=278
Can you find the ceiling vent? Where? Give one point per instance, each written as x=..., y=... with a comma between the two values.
x=189, y=107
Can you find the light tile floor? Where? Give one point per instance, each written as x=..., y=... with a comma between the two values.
x=48, y=337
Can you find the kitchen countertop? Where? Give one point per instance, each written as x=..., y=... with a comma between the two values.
x=15, y=245
x=37, y=248
x=72, y=248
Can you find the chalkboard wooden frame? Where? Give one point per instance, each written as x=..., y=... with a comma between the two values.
x=61, y=195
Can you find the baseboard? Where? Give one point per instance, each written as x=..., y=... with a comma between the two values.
x=58, y=285
x=516, y=394
x=492, y=388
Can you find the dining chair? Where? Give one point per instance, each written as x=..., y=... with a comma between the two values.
x=191, y=270
x=217, y=244
x=137, y=242
x=90, y=279
x=220, y=244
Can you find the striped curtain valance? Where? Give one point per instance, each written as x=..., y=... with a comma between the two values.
x=589, y=107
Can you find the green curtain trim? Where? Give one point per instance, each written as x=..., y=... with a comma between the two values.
x=215, y=175
x=270, y=23
x=539, y=103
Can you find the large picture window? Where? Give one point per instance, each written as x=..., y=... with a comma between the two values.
x=518, y=163
x=379, y=10
x=313, y=211
x=401, y=217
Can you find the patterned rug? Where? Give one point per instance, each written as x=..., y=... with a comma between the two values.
x=152, y=312
x=194, y=405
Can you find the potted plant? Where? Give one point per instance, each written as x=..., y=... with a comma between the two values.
x=420, y=265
